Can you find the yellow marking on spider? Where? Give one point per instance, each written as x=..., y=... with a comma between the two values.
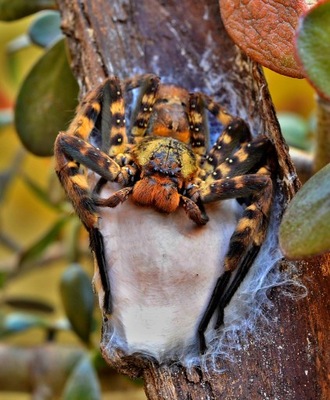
x=80, y=181
x=242, y=155
x=118, y=107
x=224, y=169
x=196, y=117
x=245, y=223
x=96, y=106
x=188, y=164
x=263, y=171
x=148, y=99
x=224, y=117
x=71, y=164
x=84, y=126
x=117, y=149
x=226, y=139
x=138, y=133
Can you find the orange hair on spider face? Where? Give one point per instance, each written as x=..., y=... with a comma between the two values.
x=159, y=192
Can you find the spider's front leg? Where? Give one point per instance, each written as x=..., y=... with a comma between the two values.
x=236, y=168
x=101, y=114
x=245, y=242
x=100, y=118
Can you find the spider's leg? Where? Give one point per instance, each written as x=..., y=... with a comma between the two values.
x=220, y=113
x=100, y=118
x=112, y=118
x=71, y=151
x=244, y=160
x=199, y=133
x=137, y=81
x=234, y=135
x=245, y=241
x=148, y=85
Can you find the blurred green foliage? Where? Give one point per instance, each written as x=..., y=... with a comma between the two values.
x=45, y=265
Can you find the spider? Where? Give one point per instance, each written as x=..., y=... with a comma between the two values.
x=164, y=162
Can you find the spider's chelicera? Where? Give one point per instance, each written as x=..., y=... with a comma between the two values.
x=162, y=160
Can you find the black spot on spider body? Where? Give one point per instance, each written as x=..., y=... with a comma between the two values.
x=212, y=160
x=118, y=120
x=231, y=160
x=236, y=247
x=73, y=170
x=239, y=128
x=91, y=112
x=146, y=107
x=141, y=123
x=200, y=142
x=114, y=91
x=116, y=139
x=250, y=214
x=216, y=174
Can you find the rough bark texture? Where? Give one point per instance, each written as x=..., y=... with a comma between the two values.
x=185, y=43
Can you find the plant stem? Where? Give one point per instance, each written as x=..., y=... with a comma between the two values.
x=322, y=150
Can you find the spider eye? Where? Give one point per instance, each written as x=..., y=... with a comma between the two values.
x=183, y=104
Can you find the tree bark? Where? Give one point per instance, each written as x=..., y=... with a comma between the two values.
x=185, y=42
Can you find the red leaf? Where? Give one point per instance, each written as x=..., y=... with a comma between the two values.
x=265, y=30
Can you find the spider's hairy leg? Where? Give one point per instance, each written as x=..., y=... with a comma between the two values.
x=199, y=134
x=148, y=85
x=220, y=113
x=235, y=134
x=112, y=118
x=245, y=242
x=70, y=152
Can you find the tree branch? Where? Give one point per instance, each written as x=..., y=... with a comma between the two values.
x=185, y=42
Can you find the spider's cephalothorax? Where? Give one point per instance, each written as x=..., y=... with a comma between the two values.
x=164, y=162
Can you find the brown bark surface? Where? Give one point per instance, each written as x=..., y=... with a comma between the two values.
x=185, y=42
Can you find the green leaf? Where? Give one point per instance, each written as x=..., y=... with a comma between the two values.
x=313, y=45
x=40, y=193
x=78, y=300
x=15, y=9
x=29, y=304
x=295, y=130
x=45, y=29
x=83, y=383
x=305, y=228
x=35, y=251
x=46, y=101
x=19, y=322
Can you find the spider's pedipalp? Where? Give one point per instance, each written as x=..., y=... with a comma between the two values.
x=193, y=211
x=118, y=197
